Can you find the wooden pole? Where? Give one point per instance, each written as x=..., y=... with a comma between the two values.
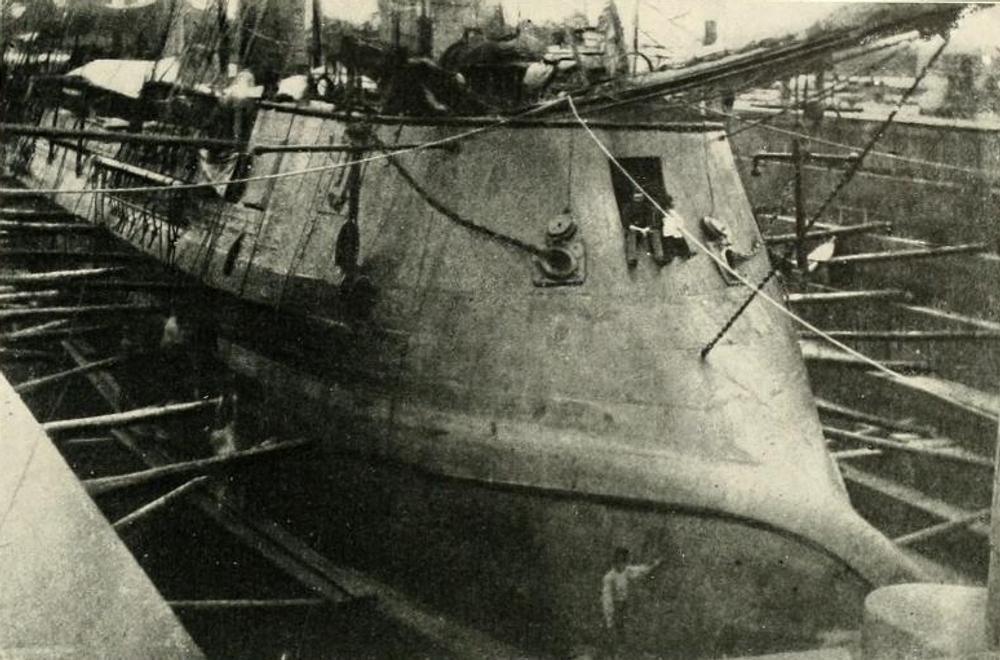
x=941, y=528
x=903, y=255
x=33, y=331
x=27, y=354
x=246, y=604
x=855, y=415
x=846, y=360
x=159, y=503
x=103, y=485
x=57, y=275
x=908, y=335
x=79, y=310
x=847, y=296
x=954, y=454
x=53, y=332
x=134, y=285
x=34, y=214
x=48, y=256
x=779, y=239
x=128, y=417
x=993, y=578
x=51, y=379
x=801, y=252
x=29, y=296
x=87, y=443
x=49, y=227
x=116, y=137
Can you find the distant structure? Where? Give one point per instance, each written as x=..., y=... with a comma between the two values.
x=428, y=27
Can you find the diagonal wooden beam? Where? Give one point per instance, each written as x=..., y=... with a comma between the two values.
x=942, y=528
x=50, y=227
x=56, y=329
x=308, y=567
x=907, y=335
x=128, y=417
x=906, y=255
x=246, y=604
x=848, y=230
x=27, y=333
x=58, y=275
x=51, y=379
x=79, y=310
x=950, y=453
x=158, y=504
x=825, y=298
x=200, y=466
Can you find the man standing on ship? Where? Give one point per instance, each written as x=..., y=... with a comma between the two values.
x=615, y=597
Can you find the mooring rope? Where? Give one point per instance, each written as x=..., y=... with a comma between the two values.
x=780, y=306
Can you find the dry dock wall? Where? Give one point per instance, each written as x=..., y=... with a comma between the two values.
x=68, y=587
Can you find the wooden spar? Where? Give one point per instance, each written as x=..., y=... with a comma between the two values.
x=34, y=214
x=951, y=454
x=51, y=379
x=993, y=576
x=246, y=604
x=348, y=148
x=297, y=559
x=132, y=285
x=867, y=418
x=910, y=496
x=50, y=227
x=846, y=454
x=20, y=354
x=130, y=416
x=10, y=254
x=159, y=503
x=904, y=255
x=86, y=442
x=941, y=528
x=293, y=559
x=847, y=296
x=33, y=331
x=847, y=360
x=780, y=239
x=57, y=276
x=103, y=485
x=142, y=172
x=80, y=310
x=28, y=296
x=116, y=137
x=74, y=331
x=907, y=335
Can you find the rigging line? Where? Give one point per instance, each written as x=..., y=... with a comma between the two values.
x=686, y=87
x=502, y=121
x=978, y=171
x=847, y=178
x=708, y=172
x=829, y=92
x=855, y=165
x=781, y=307
x=569, y=170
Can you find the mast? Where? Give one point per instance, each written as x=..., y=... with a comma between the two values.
x=635, y=38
